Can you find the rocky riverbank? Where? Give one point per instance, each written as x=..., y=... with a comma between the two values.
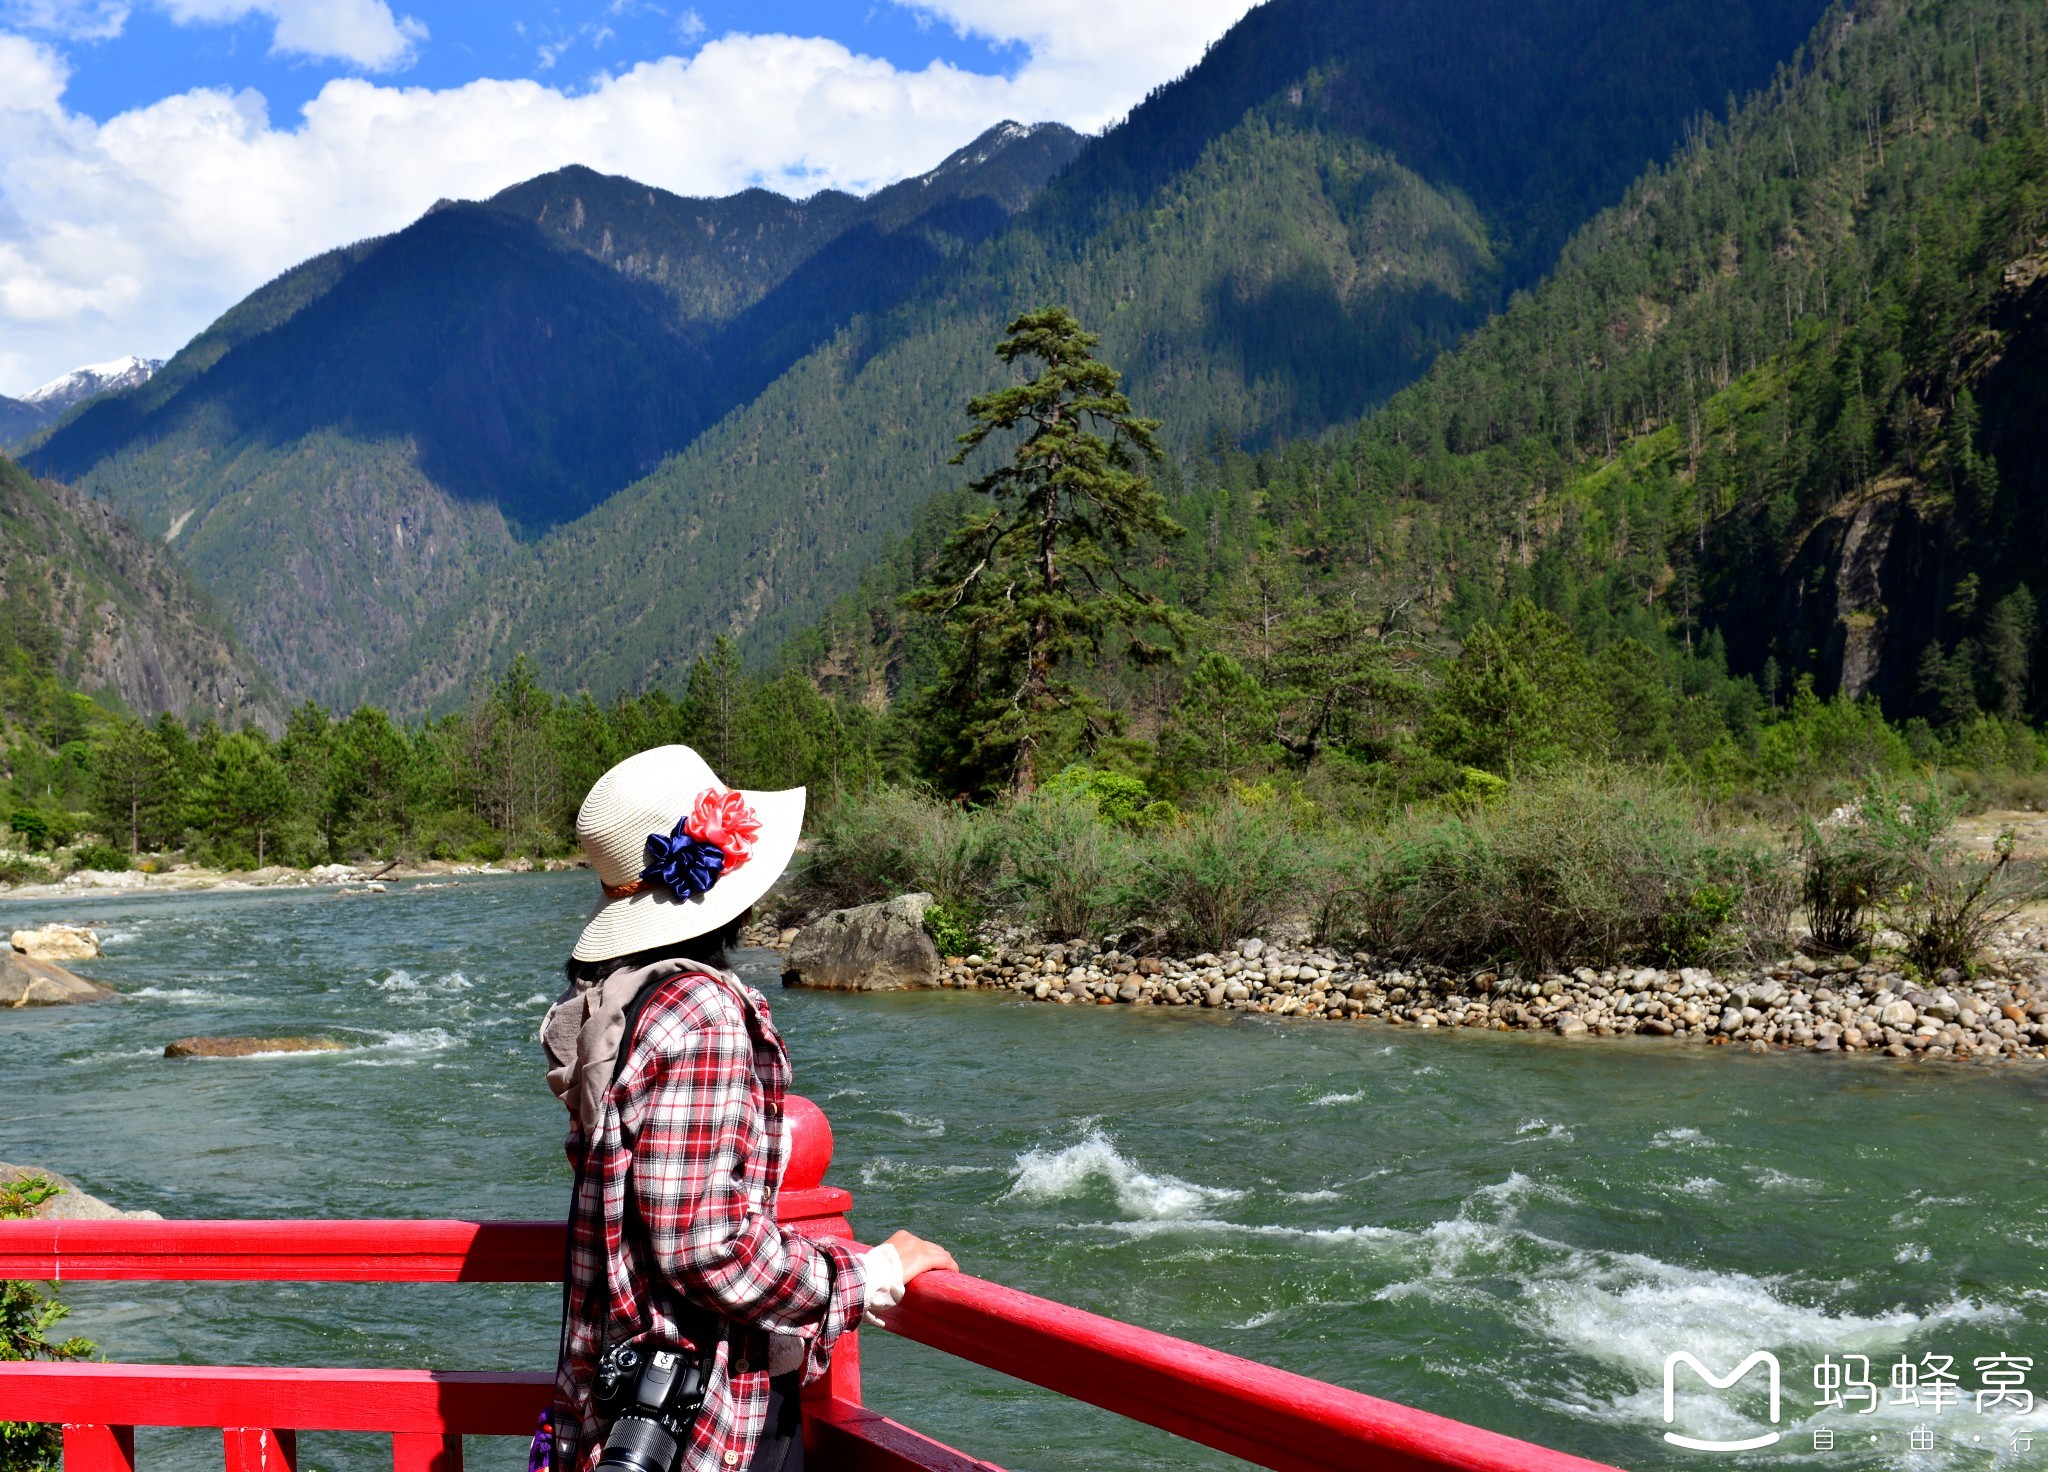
x=193, y=878
x=1842, y=1004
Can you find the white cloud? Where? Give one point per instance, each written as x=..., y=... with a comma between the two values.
x=363, y=33
x=74, y=20
x=130, y=235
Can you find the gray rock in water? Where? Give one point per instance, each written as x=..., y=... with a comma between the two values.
x=73, y=1205
x=869, y=948
x=248, y=1047
x=27, y=982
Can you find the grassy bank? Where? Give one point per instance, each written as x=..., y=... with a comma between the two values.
x=1584, y=866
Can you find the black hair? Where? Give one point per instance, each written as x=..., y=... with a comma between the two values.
x=709, y=948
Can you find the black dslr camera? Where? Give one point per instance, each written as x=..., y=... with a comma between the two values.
x=650, y=1399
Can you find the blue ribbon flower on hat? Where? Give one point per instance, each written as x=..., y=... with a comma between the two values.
x=685, y=865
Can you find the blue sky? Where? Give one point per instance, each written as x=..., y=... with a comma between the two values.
x=154, y=55
x=160, y=159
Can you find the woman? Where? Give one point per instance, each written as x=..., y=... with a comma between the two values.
x=674, y=1077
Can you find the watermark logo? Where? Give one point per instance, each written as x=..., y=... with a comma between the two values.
x=1719, y=1382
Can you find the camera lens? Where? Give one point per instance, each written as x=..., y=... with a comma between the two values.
x=639, y=1445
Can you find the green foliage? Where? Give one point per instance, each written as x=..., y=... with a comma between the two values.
x=1068, y=871
x=1117, y=797
x=1223, y=874
x=1522, y=695
x=135, y=789
x=1843, y=877
x=27, y=1315
x=1220, y=729
x=890, y=842
x=948, y=929
x=242, y=798
x=1945, y=901
x=1035, y=578
x=1585, y=868
x=100, y=856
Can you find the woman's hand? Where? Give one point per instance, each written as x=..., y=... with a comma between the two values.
x=920, y=1256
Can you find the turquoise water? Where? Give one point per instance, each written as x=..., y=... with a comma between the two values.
x=1508, y=1229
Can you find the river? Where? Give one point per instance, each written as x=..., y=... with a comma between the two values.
x=1509, y=1229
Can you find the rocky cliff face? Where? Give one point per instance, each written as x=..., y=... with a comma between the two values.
x=128, y=621
x=1907, y=562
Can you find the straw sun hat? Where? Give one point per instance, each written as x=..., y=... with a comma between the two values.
x=656, y=828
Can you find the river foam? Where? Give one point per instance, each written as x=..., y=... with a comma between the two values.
x=1081, y=1169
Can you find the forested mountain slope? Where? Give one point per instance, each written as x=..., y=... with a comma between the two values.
x=1256, y=247
x=108, y=611
x=368, y=437
x=1790, y=391
x=1779, y=411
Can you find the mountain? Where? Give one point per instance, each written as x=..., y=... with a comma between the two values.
x=373, y=434
x=1255, y=247
x=402, y=463
x=1789, y=394
x=22, y=417
x=114, y=614
x=18, y=421
x=80, y=384
x=1778, y=411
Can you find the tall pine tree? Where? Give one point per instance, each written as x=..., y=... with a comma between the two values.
x=1034, y=583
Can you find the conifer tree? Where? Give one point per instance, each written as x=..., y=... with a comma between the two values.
x=135, y=786
x=1034, y=582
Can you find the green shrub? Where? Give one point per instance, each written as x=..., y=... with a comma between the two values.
x=1068, y=871
x=1222, y=874
x=24, y=869
x=1117, y=797
x=1945, y=901
x=1580, y=868
x=452, y=833
x=1842, y=877
x=948, y=930
x=887, y=841
x=99, y=856
x=31, y=826
x=27, y=1315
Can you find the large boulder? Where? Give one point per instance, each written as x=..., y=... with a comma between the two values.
x=869, y=948
x=27, y=982
x=57, y=943
x=72, y=1204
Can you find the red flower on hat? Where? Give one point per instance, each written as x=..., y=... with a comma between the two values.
x=724, y=819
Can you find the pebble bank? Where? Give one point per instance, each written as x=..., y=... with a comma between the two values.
x=1836, y=1004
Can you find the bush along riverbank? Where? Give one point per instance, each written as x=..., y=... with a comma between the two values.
x=1580, y=902
x=1836, y=1005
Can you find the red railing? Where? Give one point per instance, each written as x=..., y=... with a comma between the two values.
x=1269, y=1417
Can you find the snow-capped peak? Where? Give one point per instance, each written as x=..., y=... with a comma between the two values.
x=95, y=378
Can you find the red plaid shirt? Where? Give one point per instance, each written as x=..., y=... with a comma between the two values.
x=677, y=1209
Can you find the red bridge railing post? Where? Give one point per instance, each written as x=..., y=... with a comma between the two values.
x=99, y=1448
x=425, y=1452
x=259, y=1449
x=810, y=1156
